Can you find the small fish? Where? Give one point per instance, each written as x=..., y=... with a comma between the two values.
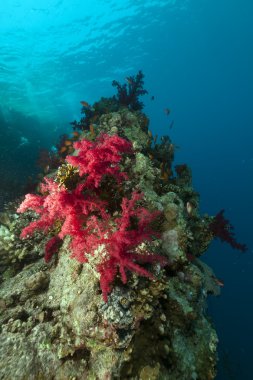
x=85, y=104
x=150, y=133
x=171, y=124
x=46, y=169
x=152, y=97
x=167, y=111
x=165, y=172
x=63, y=149
x=92, y=130
x=68, y=143
x=165, y=176
x=76, y=134
x=218, y=282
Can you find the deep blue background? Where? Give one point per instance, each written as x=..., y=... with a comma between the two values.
x=197, y=57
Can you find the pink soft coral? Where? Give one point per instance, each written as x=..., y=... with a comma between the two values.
x=64, y=211
x=99, y=158
x=60, y=205
x=133, y=228
x=118, y=240
x=81, y=214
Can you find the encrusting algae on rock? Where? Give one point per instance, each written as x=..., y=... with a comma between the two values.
x=122, y=294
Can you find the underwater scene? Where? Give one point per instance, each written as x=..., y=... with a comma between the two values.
x=126, y=166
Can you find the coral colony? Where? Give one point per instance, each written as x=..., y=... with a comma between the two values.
x=83, y=215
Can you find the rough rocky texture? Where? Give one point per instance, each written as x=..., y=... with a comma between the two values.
x=54, y=322
x=56, y=326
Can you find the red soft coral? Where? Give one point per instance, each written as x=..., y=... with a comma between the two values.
x=99, y=158
x=133, y=229
x=52, y=247
x=81, y=214
x=69, y=209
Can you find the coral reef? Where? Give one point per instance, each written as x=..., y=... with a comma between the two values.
x=120, y=292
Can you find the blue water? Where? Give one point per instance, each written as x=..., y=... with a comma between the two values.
x=197, y=57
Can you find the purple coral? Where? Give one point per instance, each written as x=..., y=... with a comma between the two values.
x=223, y=230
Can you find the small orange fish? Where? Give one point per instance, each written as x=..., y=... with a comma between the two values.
x=218, y=282
x=165, y=176
x=167, y=111
x=92, y=130
x=85, y=104
x=76, y=134
x=68, y=143
x=63, y=149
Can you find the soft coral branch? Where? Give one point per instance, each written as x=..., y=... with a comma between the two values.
x=128, y=94
x=133, y=229
x=71, y=209
x=223, y=230
x=100, y=158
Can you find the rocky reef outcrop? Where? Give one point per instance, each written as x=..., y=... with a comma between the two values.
x=55, y=322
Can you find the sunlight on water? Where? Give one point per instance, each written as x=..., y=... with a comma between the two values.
x=48, y=48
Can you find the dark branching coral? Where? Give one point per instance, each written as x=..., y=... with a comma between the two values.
x=90, y=116
x=128, y=94
x=223, y=230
